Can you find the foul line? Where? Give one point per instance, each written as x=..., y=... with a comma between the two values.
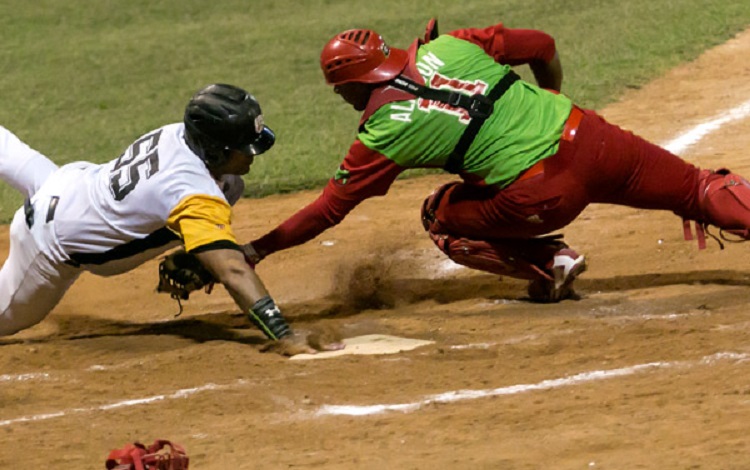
x=680, y=143
x=463, y=395
x=183, y=393
x=23, y=377
x=355, y=410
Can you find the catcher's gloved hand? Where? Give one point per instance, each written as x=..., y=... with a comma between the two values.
x=161, y=455
x=180, y=273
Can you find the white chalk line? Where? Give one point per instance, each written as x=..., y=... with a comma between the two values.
x=36, y=376
x=24, y=377
x=685, y=140
x=472, y=346
x=183, y=393
x=463, y=395
x=31, y=376
x=357, y=410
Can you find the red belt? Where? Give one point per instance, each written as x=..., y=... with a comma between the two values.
x=568, y=134
x=571, y=125
x=536, y=169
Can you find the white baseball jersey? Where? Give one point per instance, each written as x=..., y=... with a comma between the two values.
x=111, y=217
x=105, y=218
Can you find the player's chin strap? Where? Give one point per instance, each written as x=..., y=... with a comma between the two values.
x=478, y=106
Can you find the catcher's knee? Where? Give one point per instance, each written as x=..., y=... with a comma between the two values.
x=512, y=258
x=724, y=199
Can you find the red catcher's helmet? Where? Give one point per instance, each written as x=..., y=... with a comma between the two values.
x=361, y=55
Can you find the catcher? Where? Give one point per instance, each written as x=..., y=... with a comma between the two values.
x=529, y=159
x=173, y=186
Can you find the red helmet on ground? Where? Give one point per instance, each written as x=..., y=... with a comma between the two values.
x=361, y=55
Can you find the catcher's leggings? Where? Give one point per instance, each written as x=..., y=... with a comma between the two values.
x=596, y=162
x=32, y=279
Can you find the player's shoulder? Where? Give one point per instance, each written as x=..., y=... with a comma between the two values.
x=174, y=152
x=170, y=138
x=180, y=169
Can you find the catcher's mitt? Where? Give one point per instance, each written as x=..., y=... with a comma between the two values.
x=180, y=273
x=136, y=456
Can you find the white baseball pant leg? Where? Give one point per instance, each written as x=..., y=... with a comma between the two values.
x=31, y=284
x=21, y=166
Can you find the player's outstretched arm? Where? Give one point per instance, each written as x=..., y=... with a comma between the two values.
x=231, y=269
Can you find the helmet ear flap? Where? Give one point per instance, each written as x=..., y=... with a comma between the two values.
x=203, y=146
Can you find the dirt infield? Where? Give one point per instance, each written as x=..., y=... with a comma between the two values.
x=649, y=370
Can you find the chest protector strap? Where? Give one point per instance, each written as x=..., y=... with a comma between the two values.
x=478, y=106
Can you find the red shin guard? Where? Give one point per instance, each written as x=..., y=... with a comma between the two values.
x=724, y=201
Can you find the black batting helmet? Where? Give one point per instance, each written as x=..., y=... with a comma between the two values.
x=222, y=117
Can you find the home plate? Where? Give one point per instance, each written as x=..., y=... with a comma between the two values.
x=368, y=344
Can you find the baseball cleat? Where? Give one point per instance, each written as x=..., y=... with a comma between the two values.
x=566, y=266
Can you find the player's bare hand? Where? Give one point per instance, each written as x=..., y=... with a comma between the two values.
x=302, y=342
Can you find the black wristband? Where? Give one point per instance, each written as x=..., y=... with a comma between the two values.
x=267, y=316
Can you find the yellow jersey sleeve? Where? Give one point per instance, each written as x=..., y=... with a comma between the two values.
x=202, y=220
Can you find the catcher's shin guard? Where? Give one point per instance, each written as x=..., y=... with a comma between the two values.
x=724, y=201
x=548, y=282
x=497, y=257
x=547, y=262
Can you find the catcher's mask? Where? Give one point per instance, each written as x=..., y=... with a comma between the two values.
x=220, y=118
x=361, y=55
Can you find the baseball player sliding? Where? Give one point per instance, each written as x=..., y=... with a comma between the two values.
x=529, y=159
x=174, y=185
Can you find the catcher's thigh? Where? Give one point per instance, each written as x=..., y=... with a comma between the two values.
x=30, y=283
x=21, y=166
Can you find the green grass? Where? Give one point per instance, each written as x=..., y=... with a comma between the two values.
x=81, y=79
